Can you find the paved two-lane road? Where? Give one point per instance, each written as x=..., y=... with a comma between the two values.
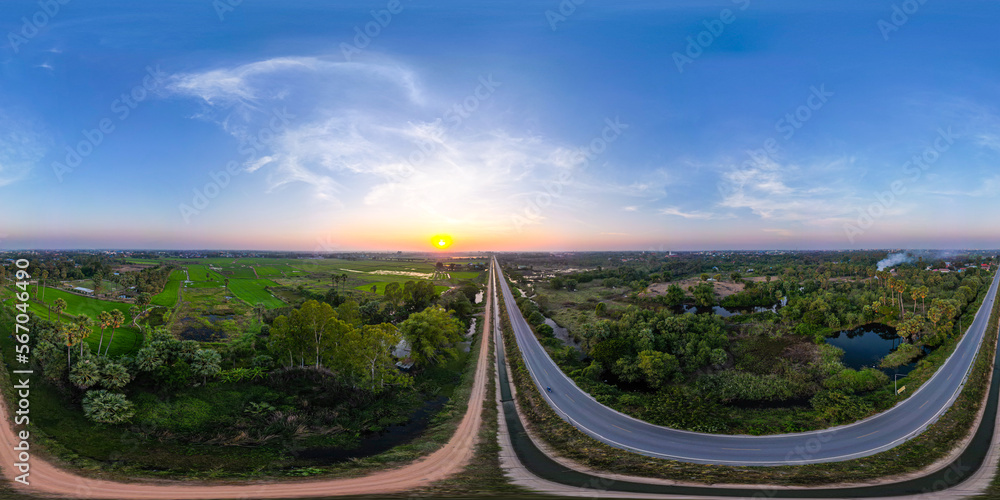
x=873, y=435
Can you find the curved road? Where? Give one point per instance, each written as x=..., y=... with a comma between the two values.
x=47, y=479
x=867, y=437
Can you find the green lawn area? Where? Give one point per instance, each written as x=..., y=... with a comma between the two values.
x=142, y=261
x=198, y=272
x=267, y=271
x=253, y=291
x=106, y=286
x=168, y=297
x=380, y=287
x=126, y=338
x=238, y=272
x=79, y=304
x=463, y=275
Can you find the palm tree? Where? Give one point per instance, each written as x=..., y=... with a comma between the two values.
x=45, y=276
x=227, y=285
x=923, y=292
x=259, y=309
x=59, y=305
x=84, y=326
x=115, y=376
x=68, y=332
x=117, y=318
x=85, y=374
x=103, y=320
x=107, y=407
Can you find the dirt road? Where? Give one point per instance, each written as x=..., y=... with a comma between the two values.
x=451, y=458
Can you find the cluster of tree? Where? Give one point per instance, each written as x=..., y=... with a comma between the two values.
x=656, y=348
x=754, y=294
x=360, y=355
x=162, y=362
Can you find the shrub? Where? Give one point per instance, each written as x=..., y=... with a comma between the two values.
x=851, y=381
x=545, y=330
x=536, y=318
x=107, y=407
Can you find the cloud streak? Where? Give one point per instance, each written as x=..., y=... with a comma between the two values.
x=374, y=140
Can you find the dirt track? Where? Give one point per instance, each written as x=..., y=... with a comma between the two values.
x=451, y=458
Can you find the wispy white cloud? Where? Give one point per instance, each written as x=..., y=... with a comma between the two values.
x=687, y=215
x=376, y=140
x=777, y=192
x=988, y=187
x=274, y=78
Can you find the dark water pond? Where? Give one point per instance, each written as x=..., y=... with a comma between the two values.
x=382, y=441
x=866, y=345
x=722, y=311
x=562, y=334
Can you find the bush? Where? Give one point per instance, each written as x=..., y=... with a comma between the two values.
x=904, y=354
x=837, y=407
x=851, y=381
x=544, y=330
x=536, y=318
x=741, y=386
x=107, y=407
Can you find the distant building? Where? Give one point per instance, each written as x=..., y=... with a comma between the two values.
x=83, y=290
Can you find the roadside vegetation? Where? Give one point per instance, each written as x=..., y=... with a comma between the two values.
x=932, y=445
x=762, y=367
x=212, y=385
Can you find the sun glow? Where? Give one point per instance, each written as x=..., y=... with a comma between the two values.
x=441, y=241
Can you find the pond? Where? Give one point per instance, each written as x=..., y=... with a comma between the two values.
x=866, y=345
x=378, y=442
x=562, y=334
x=722, y=311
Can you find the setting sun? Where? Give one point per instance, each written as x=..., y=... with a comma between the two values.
x=441, y=241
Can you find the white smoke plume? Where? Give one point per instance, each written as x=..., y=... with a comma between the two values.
x=894, y=260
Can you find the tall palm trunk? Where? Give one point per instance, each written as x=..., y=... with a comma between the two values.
x=101, y=342
x=110, y=341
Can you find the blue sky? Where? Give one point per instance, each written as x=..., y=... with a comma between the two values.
x=513, y=125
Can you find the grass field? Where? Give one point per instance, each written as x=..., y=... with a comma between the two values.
x=126, y=338
x=238, y=272
x=380, y=287
x=201, y=272
x=253, y=291
x=463, y=275
x=142, y=261
x=106, y=286
x=168, y=297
